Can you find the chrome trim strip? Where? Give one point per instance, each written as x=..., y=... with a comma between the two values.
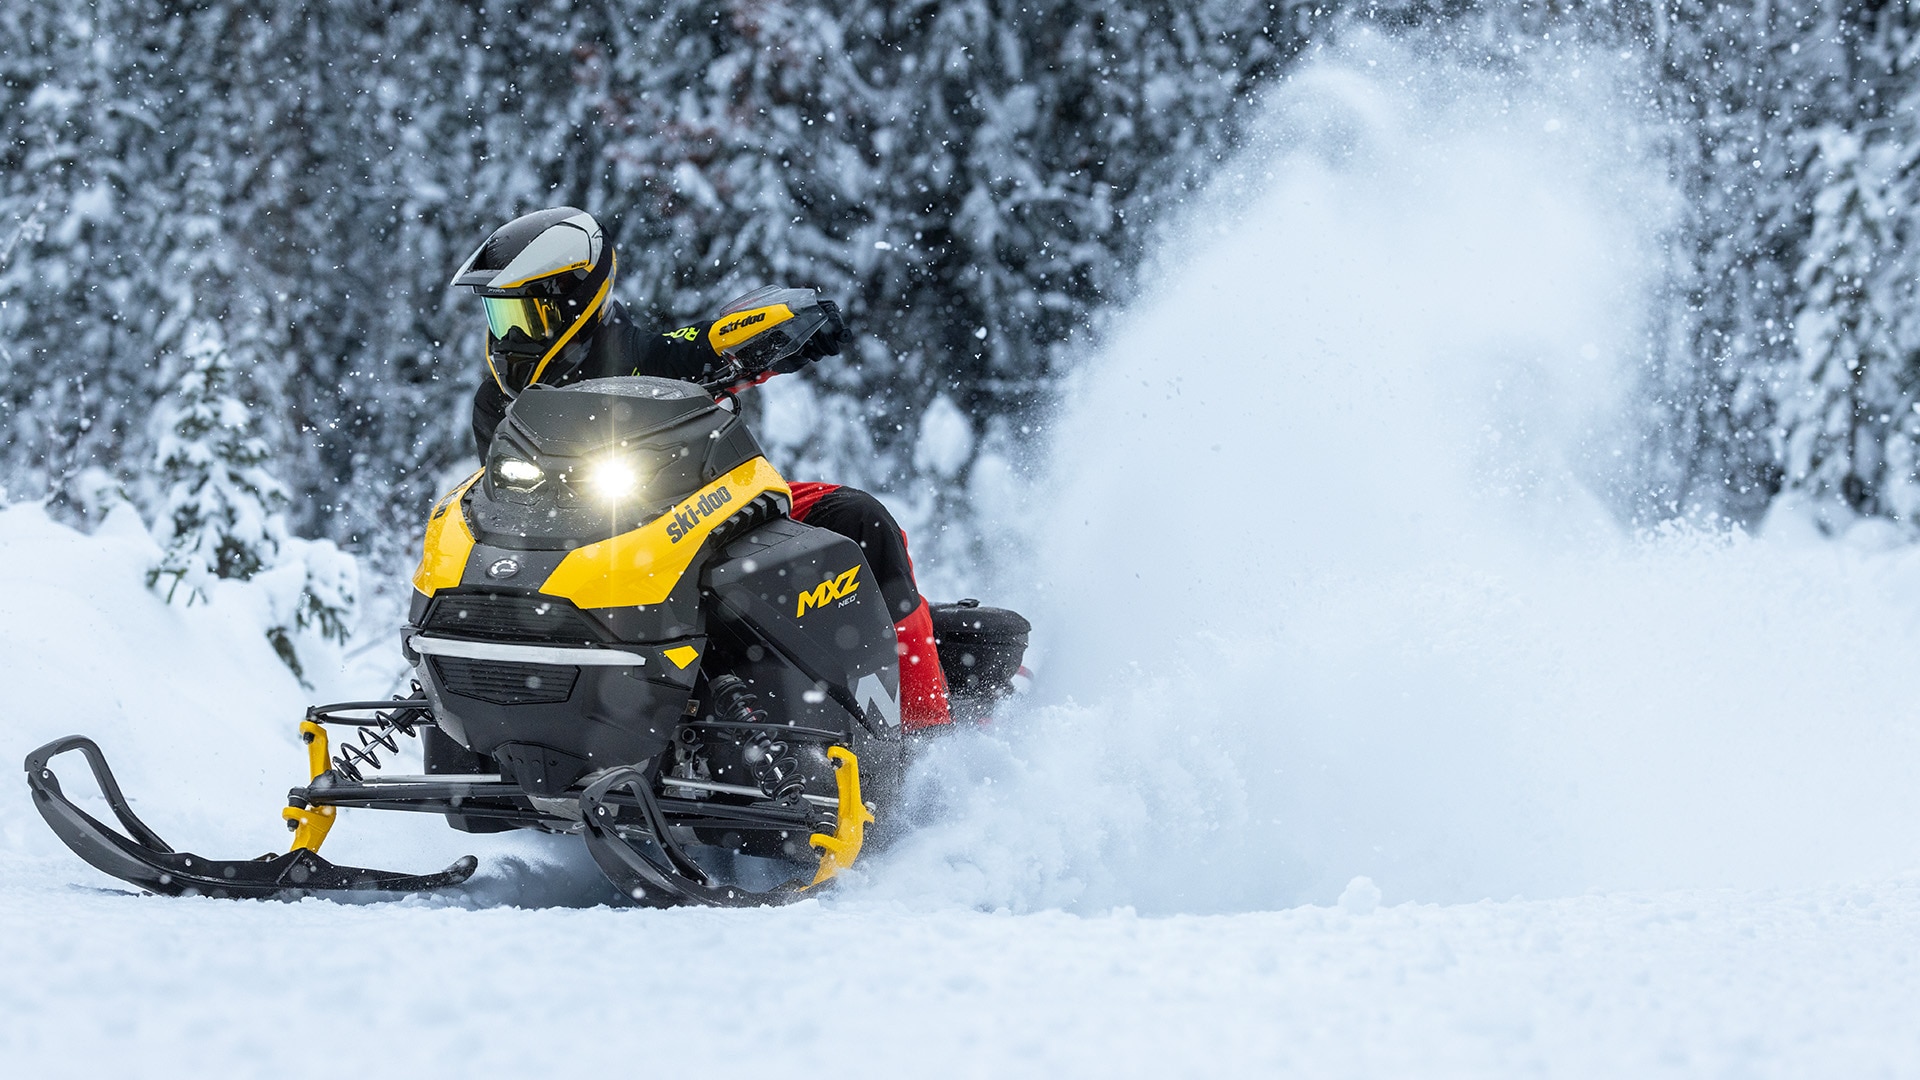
x=525, y=654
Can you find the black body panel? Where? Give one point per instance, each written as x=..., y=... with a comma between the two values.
x=500, y=616
x=797, y=617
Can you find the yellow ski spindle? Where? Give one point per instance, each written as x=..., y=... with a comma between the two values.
x=839, y=850
x=310, y=825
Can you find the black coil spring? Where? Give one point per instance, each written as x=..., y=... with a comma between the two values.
x=373, y=739
x=775, y=768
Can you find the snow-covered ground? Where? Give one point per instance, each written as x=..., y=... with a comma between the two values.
x=1816, y=982
x=1337, y=644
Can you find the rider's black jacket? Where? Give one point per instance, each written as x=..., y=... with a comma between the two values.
x=615, y=347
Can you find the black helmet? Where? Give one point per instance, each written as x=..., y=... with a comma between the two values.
x=544, y=280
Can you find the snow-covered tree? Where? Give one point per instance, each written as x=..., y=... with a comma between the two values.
x=1852, y=392
x=310, y=595
x=220, y=518
x=224, y=511
x=975, y=179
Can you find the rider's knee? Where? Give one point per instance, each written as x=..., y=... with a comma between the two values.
x=863, y=519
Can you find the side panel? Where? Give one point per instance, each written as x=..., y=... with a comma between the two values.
x=806, y=597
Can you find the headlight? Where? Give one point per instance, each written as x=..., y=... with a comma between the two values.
x=613, y=479
x=515, y=473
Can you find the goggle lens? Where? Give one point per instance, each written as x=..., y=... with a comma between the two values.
x=507, y=313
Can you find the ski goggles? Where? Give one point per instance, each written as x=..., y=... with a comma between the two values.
x=536, y=318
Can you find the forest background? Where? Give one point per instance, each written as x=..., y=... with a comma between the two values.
x=231, y=224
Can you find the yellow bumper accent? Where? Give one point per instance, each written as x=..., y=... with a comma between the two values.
x=682, y=656
x=838, y=851
x=310, y=825
x=642, y=566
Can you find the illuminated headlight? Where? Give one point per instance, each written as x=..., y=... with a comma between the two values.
x=517, y=473
x=613, y=479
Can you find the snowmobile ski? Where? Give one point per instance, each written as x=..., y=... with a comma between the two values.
x=141, y=858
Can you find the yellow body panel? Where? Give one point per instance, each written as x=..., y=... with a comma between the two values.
x=443, y=558
x=642, y=566
x=682, y=656
x=742, y=326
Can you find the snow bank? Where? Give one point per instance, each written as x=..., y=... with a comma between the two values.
x=196, y=714
x=188, y=703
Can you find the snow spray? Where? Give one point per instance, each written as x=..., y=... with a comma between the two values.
x=1324, y=586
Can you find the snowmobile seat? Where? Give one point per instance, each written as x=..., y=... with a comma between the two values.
x=981, y=649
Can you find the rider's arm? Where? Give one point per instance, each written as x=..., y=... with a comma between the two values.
x=690, y=352
x=680, y=353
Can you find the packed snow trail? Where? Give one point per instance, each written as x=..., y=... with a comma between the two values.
x=1323, y=592
x=1806, y=983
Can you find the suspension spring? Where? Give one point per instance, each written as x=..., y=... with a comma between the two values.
x=383, y=735
x=775, y=768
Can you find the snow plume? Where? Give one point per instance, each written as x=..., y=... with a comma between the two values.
x=1325, y=589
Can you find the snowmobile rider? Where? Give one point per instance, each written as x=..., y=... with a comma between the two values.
x=545, y=280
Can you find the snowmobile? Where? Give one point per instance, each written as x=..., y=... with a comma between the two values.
x=616, y=632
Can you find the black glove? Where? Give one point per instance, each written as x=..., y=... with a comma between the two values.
x=825, y=341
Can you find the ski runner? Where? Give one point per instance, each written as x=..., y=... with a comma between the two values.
x=545, y=280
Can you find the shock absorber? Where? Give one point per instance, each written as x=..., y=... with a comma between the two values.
x=774, y=766
x=383, y=734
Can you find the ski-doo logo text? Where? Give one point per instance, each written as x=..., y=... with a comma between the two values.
x=688, y=515
x=829, y=590
x=737, y=324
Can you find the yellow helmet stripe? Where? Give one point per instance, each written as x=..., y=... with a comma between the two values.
x=486, y=349
x=546, y=272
